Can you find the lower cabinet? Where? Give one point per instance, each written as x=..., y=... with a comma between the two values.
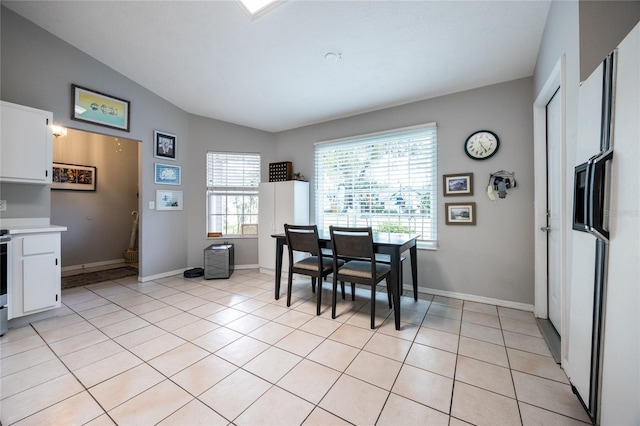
x=35, y=274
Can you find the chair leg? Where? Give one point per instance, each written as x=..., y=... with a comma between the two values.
x=342, y=284
x=353, y=292
x=313, y=284
x=373, y=306
x=333, y=298
x=389, y=290
x=318, y=295
x=289, y=287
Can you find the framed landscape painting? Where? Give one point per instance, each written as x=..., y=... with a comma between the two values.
x=98, y=108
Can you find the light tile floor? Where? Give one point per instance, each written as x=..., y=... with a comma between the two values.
x=180, y=351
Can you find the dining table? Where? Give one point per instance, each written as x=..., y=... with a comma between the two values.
x=387, y=243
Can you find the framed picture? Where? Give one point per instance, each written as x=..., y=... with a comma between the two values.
x=458, y=184
x=460, y=213
x=164, y=145
x=167, y=174
x=73, y=177
x=97, y=108
x=249, y=229
x=168, y=200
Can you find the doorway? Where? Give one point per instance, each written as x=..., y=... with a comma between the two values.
x=550, y=208
x=101, y=223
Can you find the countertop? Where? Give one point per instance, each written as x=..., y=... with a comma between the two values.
x=35, y=229
x=29, y=225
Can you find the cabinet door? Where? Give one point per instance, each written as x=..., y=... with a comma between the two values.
x=40, y=282
x=27, y=146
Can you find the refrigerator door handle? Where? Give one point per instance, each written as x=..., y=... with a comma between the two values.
x=598, y=198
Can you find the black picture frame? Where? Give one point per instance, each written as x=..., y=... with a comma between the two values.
x=99, y=108
x=74, y=177
x=165, y=145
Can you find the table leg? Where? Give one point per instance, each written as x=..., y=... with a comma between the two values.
x=413, y=251
x=279, y=250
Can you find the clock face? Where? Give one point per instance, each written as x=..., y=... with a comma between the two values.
x=482, y=145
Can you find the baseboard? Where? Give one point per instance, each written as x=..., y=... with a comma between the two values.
x=91, y=265
x=473, y=298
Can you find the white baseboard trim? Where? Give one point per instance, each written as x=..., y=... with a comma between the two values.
x=245, y=267
x=91, y=265
x=473, y=298
x=181, y=271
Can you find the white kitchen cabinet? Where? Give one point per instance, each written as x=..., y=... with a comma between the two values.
x=26, y=146
x=35, y=273
x=280, y=203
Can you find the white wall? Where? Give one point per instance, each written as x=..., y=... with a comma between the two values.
x=493, y=259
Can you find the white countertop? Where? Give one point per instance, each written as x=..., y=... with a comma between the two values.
x=35, y=229
x=29, y=225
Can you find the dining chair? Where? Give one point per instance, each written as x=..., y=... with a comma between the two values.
x=356, y=245
x=304, y=238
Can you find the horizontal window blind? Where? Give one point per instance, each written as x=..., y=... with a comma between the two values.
x=387, y=181
x=232, y=191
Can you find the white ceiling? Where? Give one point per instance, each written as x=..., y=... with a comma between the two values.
x=211, y=59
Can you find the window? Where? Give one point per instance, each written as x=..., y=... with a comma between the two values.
x=386, y=180
x=232, y=191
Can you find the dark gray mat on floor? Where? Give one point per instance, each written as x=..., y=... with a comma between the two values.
x=98, y=276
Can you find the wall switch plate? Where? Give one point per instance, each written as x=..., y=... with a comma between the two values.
x=152, y=205
x=3, y=205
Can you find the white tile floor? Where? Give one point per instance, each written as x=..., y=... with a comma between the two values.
x=184, y=352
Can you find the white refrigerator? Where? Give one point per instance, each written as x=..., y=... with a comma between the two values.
x=603, y=359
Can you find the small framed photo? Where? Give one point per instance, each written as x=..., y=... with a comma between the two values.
x=458, y=184
x=164, y=145
x=167, y=174
x=460, y=213
x=97, y=108
x=249, y=229
x=168, y=200
x=73, y=177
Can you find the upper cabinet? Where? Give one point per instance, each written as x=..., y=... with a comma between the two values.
x=26, y=146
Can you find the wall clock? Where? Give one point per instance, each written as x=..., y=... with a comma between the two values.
x=481, y=145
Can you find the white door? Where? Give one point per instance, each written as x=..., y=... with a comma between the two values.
x=554, y=204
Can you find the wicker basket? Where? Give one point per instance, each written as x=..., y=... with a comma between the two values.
x=131, y=256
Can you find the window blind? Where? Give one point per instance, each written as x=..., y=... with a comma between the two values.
x=232, y=191
x=387, y=181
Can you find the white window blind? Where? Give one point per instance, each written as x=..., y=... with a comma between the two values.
x=387, y=181
x=232, y=191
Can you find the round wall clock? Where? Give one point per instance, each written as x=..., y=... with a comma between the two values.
x=481, y=145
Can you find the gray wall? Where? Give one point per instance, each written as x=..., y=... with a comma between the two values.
x=98, y=223
x=495, y=258
x=213, y=135
x=603, y=25
x=38, y=70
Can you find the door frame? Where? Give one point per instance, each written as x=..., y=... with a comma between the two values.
x=555, y=82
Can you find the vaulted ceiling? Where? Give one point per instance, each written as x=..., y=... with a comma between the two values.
x=272, y=73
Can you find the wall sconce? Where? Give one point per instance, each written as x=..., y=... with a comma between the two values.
x=58, y=131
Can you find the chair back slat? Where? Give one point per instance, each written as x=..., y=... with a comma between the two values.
x=303, y=238
x=352, y=242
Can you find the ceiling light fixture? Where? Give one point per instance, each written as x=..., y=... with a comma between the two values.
x=332, y=58
x=257, y=7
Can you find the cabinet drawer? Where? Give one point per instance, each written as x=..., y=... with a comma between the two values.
x=40, y=244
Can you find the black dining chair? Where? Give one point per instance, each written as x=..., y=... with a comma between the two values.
x=356, y=245
x=304, y=238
